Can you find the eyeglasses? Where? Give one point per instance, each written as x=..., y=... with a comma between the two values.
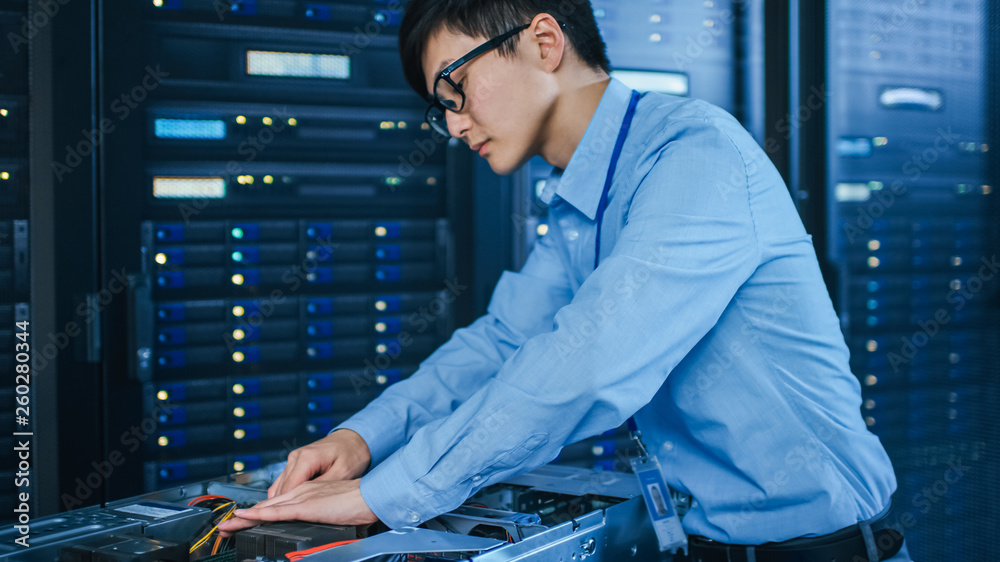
x=449, y=96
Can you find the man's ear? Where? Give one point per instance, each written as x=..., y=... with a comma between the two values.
x=548, y=36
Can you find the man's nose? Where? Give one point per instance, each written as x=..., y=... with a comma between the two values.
x=458, y=123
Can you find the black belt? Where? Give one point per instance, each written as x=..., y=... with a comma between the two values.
x=845, y=545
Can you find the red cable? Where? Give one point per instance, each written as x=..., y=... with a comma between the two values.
x=299, y=554
x=200, y=499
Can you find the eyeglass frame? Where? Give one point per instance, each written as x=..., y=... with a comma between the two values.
x=445, y=74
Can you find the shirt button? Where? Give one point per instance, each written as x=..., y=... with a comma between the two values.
x=477, y=478
x=572, y=235
x=668, y=446
x=414, y=517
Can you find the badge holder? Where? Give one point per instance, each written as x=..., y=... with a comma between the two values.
x=666, y=522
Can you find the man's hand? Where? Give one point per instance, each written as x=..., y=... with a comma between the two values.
x=334, y=503
x=342, y=455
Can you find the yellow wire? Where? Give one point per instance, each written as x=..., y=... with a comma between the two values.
x=205, y=538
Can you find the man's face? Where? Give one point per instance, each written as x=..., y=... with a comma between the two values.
x=505, y=98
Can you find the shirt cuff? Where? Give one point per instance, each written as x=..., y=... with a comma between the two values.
x=391, y=494
x=376, y=431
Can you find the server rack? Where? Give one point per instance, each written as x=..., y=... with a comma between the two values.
x=992, y=339
x=910, y=219
x=290, y=232
x=15, y=389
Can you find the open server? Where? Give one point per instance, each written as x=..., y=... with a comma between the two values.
x=552, y=513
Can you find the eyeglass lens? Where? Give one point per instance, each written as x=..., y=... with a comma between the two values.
x=448, y=96
x=437, y=119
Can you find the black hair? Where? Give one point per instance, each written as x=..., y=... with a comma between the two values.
x=492, y=18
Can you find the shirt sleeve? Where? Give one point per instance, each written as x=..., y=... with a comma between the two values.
x=523, y=305
x=688, y=244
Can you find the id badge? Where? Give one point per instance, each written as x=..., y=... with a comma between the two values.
x=660, y=505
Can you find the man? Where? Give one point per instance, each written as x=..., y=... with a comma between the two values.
x=676, y=285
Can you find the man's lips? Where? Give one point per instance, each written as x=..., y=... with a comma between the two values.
x=479, y=147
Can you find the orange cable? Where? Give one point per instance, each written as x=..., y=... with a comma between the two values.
x=298, y=554
x=200, y=499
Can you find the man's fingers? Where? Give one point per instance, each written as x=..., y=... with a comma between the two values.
x=230, y=526
x=273, y=490
x=276, y=500
x=299, y=471
x=283, y=483
x=289, y=483
x=336, y=503
x=279, y=512
x=251, y=516
x=278, y=488
x=290, y=480
x=335, y=473
x=257, y=515
x=344, y=453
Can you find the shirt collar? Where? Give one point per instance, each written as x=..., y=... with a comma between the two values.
x=582, y=182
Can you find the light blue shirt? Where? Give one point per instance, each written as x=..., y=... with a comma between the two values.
x=707, y=319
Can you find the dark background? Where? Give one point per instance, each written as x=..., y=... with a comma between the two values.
x=352, y=227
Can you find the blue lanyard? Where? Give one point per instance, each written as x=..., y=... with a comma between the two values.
x=626, y=125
